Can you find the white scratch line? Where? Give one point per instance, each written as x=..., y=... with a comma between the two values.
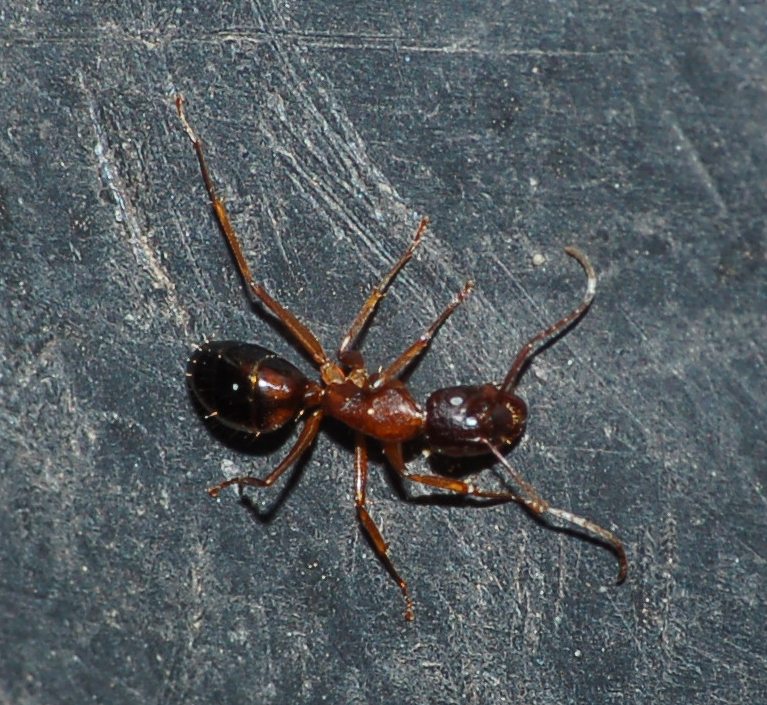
x=699, y=167
x=142, y=249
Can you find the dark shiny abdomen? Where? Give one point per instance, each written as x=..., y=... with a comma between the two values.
x=247, y=387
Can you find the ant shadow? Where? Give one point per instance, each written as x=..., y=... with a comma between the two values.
x=263, y=447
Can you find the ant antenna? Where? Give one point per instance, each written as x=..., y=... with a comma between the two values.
x=540, y=507
x=533, y=346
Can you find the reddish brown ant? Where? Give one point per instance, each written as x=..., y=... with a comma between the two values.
x=252, y=390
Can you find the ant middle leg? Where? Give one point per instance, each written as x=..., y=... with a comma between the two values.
x=379, y=291
x=379, y=544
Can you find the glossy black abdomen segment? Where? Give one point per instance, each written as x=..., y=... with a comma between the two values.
x=247, y=387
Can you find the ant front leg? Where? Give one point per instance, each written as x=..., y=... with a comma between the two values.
x=360, y=500
x=396, y=368
x=393, y=452
x=530, y=499
x=353, y=358
x=305, y=439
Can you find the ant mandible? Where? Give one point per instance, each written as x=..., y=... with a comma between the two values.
x=252, y=390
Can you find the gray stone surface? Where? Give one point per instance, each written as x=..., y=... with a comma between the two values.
x=635, y=130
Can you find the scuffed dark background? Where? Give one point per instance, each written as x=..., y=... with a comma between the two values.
x=636, y=130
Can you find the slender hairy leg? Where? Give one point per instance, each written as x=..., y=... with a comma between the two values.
x=305, y=439
x=298, y=330
x=529, y=499
x=368, y=308
x=360, y=500
x=393, y=452
x=396, y=368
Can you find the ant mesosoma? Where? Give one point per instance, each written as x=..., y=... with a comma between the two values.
x=252, y=390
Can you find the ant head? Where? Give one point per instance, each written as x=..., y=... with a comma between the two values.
x=461, y=421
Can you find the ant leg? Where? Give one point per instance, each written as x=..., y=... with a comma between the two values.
x=379, y=292
x=300, y=332
x=305, y=439
x=415, y=349
x=360, y=500
x=528, y=351
x=393, y=452
x=531, y=500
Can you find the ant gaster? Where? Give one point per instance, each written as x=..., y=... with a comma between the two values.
x=252, y=390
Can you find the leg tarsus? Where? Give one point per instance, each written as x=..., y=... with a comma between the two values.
x=304, y=440
x=379, y=291
x=366, y=521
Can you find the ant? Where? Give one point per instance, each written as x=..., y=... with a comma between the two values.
x=252, y=390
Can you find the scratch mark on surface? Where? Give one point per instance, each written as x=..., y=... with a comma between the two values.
x=698, y=165
x=385, y=42
x=629, y=452
x=182, y=664
x=311, y=40
x=143, y=250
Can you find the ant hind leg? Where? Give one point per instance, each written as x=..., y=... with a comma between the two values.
x=305, y=439
x=306, y=339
